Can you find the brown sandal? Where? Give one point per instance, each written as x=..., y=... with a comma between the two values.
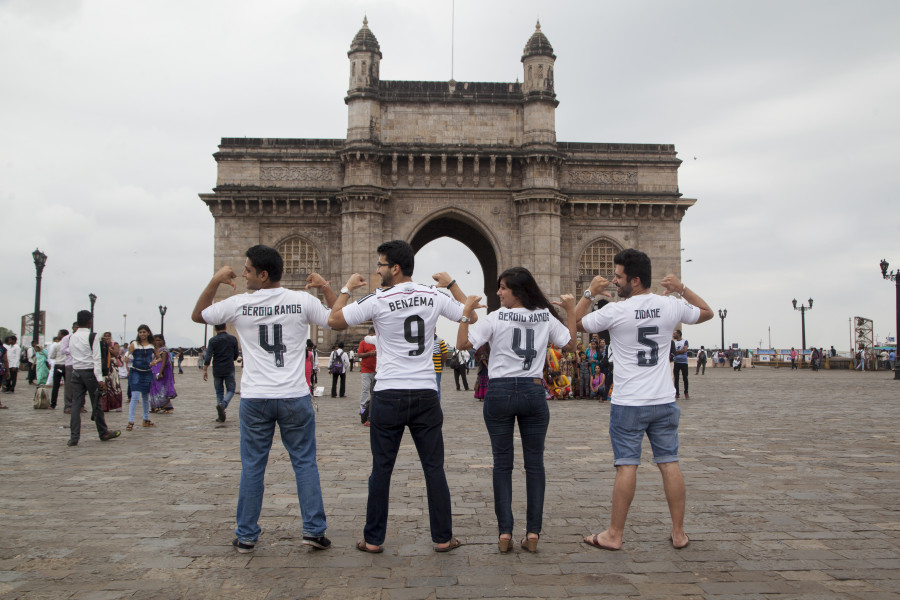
x=130, y=427
x=504, y=544
x=530, y=544
x=149, y=424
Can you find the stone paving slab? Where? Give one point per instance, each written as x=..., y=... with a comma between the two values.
x=793, y=483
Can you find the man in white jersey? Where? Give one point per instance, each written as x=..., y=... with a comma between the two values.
x=273, y=324
x=640, y=329
x=404, y=315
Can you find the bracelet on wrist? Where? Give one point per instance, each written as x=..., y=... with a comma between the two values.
x=450, y=285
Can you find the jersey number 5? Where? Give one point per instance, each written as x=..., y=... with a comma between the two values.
x=277, y=347
x=642, y=338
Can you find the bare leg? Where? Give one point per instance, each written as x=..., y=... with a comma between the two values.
x=623, y=494
x=673, y=485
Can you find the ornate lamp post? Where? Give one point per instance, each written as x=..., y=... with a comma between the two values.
x=895, y=277
x=124, y=327
x=723, y=312
x=93, y=299
x=162, y=318
x=802, y=308
x=40, y=259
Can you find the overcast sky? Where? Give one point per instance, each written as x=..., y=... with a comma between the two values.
x=784, y=113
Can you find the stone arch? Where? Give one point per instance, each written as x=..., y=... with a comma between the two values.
x=468, y=230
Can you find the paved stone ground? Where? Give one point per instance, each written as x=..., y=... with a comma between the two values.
x=793, y=481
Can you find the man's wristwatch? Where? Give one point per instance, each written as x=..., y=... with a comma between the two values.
x=345, y=290
x=465, y=319
x=588, y=294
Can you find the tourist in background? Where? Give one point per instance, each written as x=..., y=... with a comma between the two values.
x=162, y=386
x=144, y=356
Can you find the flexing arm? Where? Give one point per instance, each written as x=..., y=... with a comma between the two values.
x=674, y=286
x=598, y=288
x=336, y=318
x=224, y=275
x=567, y=301
x=445, y=281
x=317, y=281
x=462, y=334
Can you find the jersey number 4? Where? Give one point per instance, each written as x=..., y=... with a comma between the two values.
x=277, y=347
x=527, y=353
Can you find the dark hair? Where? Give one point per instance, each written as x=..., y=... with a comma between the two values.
x=11, y=339
x=264, y=258
x=149, y=332
x=64, y=333
x=309, y=343
x=161, y=338
x=84, y=318
x=399, y=253
x=340, y=345
x=635, y=264
x=220, y=327
x=523, y=286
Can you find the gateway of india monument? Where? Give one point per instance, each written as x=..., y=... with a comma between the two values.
x=477, y=162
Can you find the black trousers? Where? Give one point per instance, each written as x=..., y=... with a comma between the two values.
x=683, y=369
x=83, y=381
x=11, y=377
x=59, y=375
x=334, y=380
x=460, y=372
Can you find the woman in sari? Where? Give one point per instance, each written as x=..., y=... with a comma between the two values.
x=162, y=386
x=42, y=366
x=482, y=355
x=143, y=357
x=111, y=396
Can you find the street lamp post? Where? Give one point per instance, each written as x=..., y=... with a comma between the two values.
x=93, y=298
x=802, y=308
x=124, y=327
x=40, y=259
x=723, y=312
x=162, y=318
x=895, y=277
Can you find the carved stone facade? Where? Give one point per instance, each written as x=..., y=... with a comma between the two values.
x=477, y=162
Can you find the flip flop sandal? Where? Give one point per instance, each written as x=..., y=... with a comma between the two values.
x=596, y=544
x=454, y=544
x=363, y=547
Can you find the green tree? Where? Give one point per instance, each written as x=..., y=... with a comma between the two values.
x=5, y=333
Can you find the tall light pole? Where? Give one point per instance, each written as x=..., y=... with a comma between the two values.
x=40, y=259
x=93, y=298
x=723, y=312
x=162, y=318
x=895, y=277
x=802, y=308
x=124, y=327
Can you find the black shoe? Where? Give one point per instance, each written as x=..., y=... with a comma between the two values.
x=242, y=547
x=322, y=543
x=221, y=412
x=72, y=443
x=110, y=435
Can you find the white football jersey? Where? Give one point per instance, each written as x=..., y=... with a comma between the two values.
x=518, y=339
x=273, y=325
x=404, y=317
x=640, y=329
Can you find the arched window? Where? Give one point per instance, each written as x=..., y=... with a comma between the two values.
x=598, y=260
x=300, y=258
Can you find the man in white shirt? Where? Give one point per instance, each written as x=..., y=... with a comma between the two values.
x=404, y=315
x=13, y=354
x=640, y=329
x=272, y=324
x=87, y=377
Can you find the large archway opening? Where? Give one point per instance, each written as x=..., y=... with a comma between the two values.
x=472, y=239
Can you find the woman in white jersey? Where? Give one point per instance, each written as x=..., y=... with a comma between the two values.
x=518, y=333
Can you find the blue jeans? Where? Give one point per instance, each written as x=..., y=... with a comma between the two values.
x=224, y=389
x=437, y=380
x=391, y=412
x=144, y=399
x=628, y=424
x=297, y=424
x=509, y=399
